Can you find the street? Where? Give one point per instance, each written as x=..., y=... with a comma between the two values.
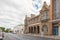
x=9, y=36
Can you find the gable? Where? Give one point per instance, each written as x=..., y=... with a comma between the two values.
x=45, y=7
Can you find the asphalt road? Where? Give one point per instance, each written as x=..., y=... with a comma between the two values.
x=9, y=36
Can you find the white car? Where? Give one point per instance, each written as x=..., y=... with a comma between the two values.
x=1, y=35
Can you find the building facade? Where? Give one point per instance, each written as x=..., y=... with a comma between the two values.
x=47, y=22
x=19, y=29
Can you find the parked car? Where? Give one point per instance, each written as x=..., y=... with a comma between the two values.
x=1, y=35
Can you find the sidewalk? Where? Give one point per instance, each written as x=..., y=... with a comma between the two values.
x=37, y=35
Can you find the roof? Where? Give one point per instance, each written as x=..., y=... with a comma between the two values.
x=44, y=7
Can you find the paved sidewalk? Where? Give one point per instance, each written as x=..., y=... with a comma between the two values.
x=38, y=35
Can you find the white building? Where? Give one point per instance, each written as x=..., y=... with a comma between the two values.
x=19, y=29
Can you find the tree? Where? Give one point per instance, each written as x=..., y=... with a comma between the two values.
x=3, y=29
x=7, y=30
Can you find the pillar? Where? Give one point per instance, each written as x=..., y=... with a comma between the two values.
x=34, y=29
x=59, y=30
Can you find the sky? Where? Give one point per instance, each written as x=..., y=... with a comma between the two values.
x=12, y=12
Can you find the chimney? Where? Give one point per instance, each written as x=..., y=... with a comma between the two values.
x=26, y=17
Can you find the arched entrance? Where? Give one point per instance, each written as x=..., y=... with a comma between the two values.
x=29, y=30
x=34, y=29
x=38, y=29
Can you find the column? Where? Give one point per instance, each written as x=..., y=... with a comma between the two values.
x=30, y=29
x=59, y=30
x=33, y=29
x=36, y=30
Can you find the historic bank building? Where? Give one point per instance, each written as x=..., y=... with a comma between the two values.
x=48, y=20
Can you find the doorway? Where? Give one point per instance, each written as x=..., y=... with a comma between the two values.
x=55, y=30
x=38, y=29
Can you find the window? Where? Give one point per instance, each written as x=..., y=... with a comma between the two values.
x=56, y=9
x=28, y=23
x=36, y=20
x=45, y=15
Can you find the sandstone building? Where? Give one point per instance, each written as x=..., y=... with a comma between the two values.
x=48, y=20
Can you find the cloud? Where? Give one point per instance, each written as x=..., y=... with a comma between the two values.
x=12, y=12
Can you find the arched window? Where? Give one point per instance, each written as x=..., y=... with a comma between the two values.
x=45, y=28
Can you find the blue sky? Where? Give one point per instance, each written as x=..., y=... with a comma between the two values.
x=12, y=12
